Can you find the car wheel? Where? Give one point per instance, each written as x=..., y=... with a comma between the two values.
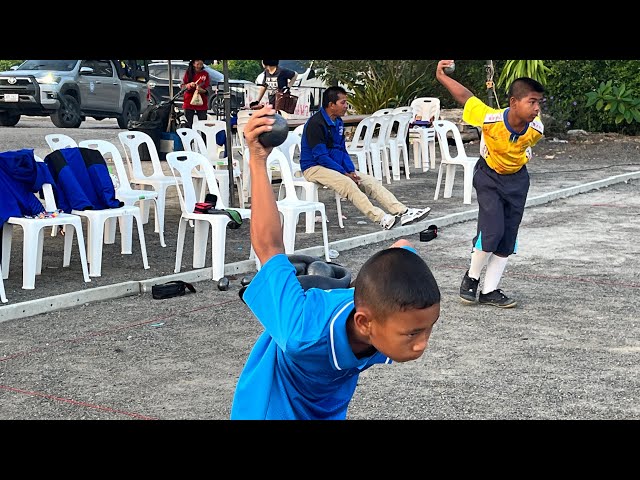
x=216, y=104
x=9, y=119
x=69, y=115
x=130, y=112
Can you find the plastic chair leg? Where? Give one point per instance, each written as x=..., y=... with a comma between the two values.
x=3, y=296
x=438, y=182
x=200, y=240
x=325, y=235
x=218, y=241
x=182, y=228
x=143, y=244
x=338, y=208
x=7, y=234
x=449, y=180
x=468, y=183
x=289, y=222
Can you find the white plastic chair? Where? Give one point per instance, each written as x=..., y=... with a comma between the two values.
x=33, y=240
x=243, y=118
x=290, y=207
x=379, y=144
x=97, y=234
x=192, y=141
x=424, y=138
x=450, y=163
x=132, y=142
x=306, y=190
x=182, y=165
x=215, y=152
x=397, y=141
x=124, y=192
x=3, y=295
x=57, y=141
x=359, y=146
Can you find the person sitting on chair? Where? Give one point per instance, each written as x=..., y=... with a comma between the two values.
x=324, y=159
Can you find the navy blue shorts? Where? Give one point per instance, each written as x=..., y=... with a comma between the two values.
x=501, y=201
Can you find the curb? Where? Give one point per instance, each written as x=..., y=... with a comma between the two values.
x=67, y=300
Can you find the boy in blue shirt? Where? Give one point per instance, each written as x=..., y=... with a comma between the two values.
x=306, y=363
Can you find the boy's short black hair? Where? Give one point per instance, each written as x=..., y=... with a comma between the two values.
x=393, y=280
x=271, y=63
x=522, y=86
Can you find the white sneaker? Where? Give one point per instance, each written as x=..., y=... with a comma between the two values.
x=388, y=221
x=414, y=215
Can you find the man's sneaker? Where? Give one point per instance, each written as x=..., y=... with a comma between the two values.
x=469, y=288
x=497, y=299
x=388, y=221
x=414, y=215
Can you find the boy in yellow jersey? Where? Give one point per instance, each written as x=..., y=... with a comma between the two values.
x=500, y=179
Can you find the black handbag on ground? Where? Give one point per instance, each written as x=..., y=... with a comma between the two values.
x=175, y=288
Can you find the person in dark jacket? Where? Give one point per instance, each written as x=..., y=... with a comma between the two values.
x=324, y=159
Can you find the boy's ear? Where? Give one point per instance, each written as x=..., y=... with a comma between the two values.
x=362, y=320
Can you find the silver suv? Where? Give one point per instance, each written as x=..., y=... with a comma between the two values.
x=68, y=91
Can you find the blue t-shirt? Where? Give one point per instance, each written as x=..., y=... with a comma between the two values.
x=302, y=366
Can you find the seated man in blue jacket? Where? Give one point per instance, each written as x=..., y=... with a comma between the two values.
x=324, y=159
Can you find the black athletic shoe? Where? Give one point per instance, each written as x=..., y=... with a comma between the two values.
x=497, y=299
x=469, y=288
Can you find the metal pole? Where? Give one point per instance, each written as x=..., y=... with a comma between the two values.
x=489, y=68
x=227, y=116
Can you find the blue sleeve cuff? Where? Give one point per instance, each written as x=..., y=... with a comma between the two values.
x=411, y=249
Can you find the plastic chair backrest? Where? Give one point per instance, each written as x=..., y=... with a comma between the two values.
x=382, y=111
x=426, y=108
x=405, y=109
x=47, y=191
x=132, y=141
x=443, y=128
x=182, y=165
x=108, y=149
x=56, y=141
x=191, y=140
x=210, y=130
x=363, y=133
x=279, y=160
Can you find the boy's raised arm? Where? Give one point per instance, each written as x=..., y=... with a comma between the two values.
x=266, y=231
x=459, y=92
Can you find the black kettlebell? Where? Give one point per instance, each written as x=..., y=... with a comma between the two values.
x=223, y=284
x=277, y=135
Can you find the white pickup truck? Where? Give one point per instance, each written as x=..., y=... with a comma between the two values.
x=68, y=91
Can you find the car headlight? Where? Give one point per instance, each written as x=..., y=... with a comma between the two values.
x=48, y=79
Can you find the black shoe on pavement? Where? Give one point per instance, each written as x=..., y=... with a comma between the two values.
x=469, y=288
x=497, y=299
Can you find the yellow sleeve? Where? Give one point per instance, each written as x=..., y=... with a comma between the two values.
x=475, y=111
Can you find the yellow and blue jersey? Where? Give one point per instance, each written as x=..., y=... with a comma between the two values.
x=504, y=149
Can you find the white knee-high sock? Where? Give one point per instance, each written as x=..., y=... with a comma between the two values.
x=495, y=268
x=479, y=259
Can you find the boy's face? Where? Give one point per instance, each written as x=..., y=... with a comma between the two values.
x=527, y=108
x=404, y=335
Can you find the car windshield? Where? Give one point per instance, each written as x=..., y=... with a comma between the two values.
x=59, y=65
x=161, y=71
